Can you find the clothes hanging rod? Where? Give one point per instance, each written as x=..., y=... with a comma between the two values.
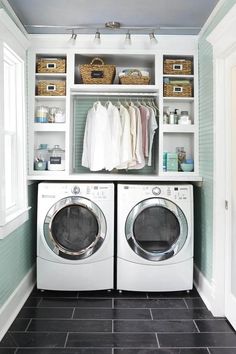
x=114, y=94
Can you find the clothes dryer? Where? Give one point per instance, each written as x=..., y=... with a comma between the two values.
x=155, y=237
x=75, y=236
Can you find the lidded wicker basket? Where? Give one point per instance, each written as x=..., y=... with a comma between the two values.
x=97, y=72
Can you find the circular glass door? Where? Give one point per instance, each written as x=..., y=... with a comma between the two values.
x=156, y=229
x=74, y=228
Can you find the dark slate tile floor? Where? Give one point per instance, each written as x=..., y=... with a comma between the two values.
x=117, y=323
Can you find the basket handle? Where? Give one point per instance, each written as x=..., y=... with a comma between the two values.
x=97, y=59
x=134, y=71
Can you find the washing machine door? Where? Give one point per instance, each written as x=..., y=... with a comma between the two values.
x=74, y=228
x=156, y=229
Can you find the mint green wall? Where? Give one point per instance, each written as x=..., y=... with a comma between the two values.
x=17, y=251
x=204, y=195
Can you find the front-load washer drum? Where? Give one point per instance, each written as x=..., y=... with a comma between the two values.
x=156, y=229
x=74, y=228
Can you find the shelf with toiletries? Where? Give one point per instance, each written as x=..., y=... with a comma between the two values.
x=178, y=118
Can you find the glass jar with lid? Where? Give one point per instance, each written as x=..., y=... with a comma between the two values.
x=56, y=160
x=41, y=114
x=41, y=157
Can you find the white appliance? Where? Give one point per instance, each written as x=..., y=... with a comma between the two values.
x=155, y=237
x=75, y=236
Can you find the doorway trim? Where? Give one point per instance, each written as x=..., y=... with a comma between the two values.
x=223, y=41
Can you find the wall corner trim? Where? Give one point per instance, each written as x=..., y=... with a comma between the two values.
x=204, y=287
x=13, y=305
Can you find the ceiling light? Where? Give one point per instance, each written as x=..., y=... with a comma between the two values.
x=153, y=39
x=128, y=41
x=97, y=38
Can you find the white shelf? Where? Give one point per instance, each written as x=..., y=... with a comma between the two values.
x=50, y=75
x=94, y=89
x=49, y=127
x=39, y=98
x=178, y=128
x=176, y=176
x=178, y=99
x=179, y=76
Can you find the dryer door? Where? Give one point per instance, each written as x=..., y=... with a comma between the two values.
x=156, y=229
x=74, y=228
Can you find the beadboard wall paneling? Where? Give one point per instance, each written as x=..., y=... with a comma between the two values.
x=18, y=251
x=204, y=195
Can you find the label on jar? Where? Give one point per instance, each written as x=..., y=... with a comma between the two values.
x=55, y=160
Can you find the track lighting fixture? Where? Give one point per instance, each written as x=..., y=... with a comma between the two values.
x=114, y=27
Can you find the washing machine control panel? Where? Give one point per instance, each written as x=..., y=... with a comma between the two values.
x=156, y=190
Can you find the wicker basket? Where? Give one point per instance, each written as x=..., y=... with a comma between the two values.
x=178, y=90
x=97, y=73
x=51, y=88
x=51, y=65
x=178, y=67
x=134, y=77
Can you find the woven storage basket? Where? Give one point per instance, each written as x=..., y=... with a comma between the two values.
x=51, y=65
x=178, y=90
x=51, y=88
x=178, y=67
x=97, y=73
x=134, y=77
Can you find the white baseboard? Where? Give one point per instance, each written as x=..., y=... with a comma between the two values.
x=204, y=287
x=13, y=305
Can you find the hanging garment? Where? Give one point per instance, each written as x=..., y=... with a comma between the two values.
x=151, y=132
x=97, y=139
x=140, y=161
x=115, y=132
x=145, y=115
x=133, y=133
x=125, y=142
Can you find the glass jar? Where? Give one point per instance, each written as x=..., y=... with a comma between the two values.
x=59, y=116
x=51, y=114
x=184, y=118
x=41, y=157
x=181, y=156
x=56, y=160
x=41, y=114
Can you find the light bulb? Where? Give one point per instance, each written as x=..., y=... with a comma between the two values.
x=128, y=41
x=153, y=39
x=97, y=38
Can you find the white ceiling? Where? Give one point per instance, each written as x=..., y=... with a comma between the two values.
x=181, y=16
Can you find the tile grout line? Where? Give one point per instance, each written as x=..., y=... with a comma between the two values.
x=196, y=326
x=27, y=327
x=67, y=335
x=151, y=314
x=73, y=312
x=158, y=344
x=186, y=304
x=208, y=350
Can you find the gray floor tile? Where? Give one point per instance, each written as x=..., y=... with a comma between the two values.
x=223, y=350
x=20, y=324
x=70, y=326
x=150, y=303
x=195, y=303
x=30, y=339
x=162, y=351
x=197, y=340
x=30, y=312
x=214, y=325
x=154, y=326
x=128, y=340
x=64, y=351
x=184, y=314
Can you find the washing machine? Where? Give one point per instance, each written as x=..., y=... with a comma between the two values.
x=75, y=236
x=155, y=237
